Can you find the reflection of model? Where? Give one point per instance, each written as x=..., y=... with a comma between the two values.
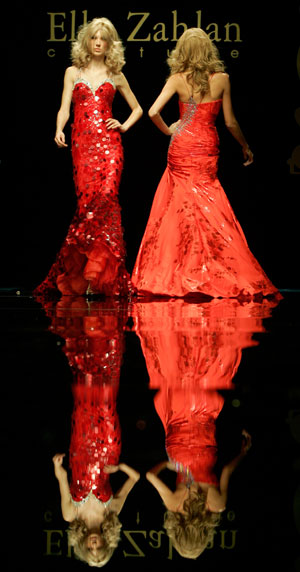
x=192, y=509
x=92, y=257
x=193, y=242
x=192, y=351
x=94, y=345
x=95, y=528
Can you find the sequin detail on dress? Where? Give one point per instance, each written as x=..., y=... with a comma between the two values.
x=84, y=500
x=193, y=242
x=93, y=334
x=94, y=250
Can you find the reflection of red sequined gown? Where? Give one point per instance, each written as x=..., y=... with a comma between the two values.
x=95, y=440
x=93, y=334
x=191, y=351
x=93, y=249
x=193, y=242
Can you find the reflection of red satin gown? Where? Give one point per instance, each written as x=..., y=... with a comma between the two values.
x=93, y=249
x=93, y=336
x=191, y=351
x=193, y=242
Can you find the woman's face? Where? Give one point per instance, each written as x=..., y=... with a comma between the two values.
x=94, y=542
x=97, y=45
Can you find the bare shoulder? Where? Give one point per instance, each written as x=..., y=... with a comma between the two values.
x=220, y=78
x=116, y=505
x=71, y=73
x=175, y=79
x=120, y=80
x=215, y=500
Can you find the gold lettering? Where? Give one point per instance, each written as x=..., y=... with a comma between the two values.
x=51, y=53
x=237, y=34
x=54, y=25
x=48, y=516
x=211, y=542
x=162, y=33
x=73, y=14
x=234, y=53
x=73, y=23
x=214, y=34
x=131, y=37
x=70, y=551
x=170, y=555
x=233, y=539
x=50, y=542
x=156, y=536
x=128, y=533
x=199, y=18
x=176, y=26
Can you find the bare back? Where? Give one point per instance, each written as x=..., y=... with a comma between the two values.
x=186, y=91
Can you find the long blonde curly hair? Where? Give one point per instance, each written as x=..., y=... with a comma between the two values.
x=114, y=57
x=192, y=530
x=197, y=55
x=78, y=533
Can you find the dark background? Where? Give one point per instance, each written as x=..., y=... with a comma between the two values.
x=38, y=197
x=38, y=202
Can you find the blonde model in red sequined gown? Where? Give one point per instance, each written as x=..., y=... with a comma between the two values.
x=92, y=257
x=94, y=248
x=193, y=242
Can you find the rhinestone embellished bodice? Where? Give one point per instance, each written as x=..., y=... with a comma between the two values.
x=193, y=242
x=93, y=253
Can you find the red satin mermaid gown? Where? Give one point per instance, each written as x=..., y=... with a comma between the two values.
x=193, y=242
x=93, y=251
x=191, y=351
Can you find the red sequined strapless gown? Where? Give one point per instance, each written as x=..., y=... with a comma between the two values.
x=193, y=242
x=93, y=250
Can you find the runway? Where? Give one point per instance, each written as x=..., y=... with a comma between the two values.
x=246, y=352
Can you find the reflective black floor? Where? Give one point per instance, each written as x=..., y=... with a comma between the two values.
x=171, y=363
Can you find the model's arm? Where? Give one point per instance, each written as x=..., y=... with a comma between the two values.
x=64, y=110
x=168, y=497
x=67, y=508
x=133, y=477
x=232, y=123
x=123, y=87
x=232, y=465
x=161, y=466
x=169, y=89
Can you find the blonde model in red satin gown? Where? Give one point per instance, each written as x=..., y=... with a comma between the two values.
x=193, y=242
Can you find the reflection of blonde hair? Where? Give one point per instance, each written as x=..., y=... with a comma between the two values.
x=191, y=531
x=78, y=533
x=114, y=57
x=196, y=54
